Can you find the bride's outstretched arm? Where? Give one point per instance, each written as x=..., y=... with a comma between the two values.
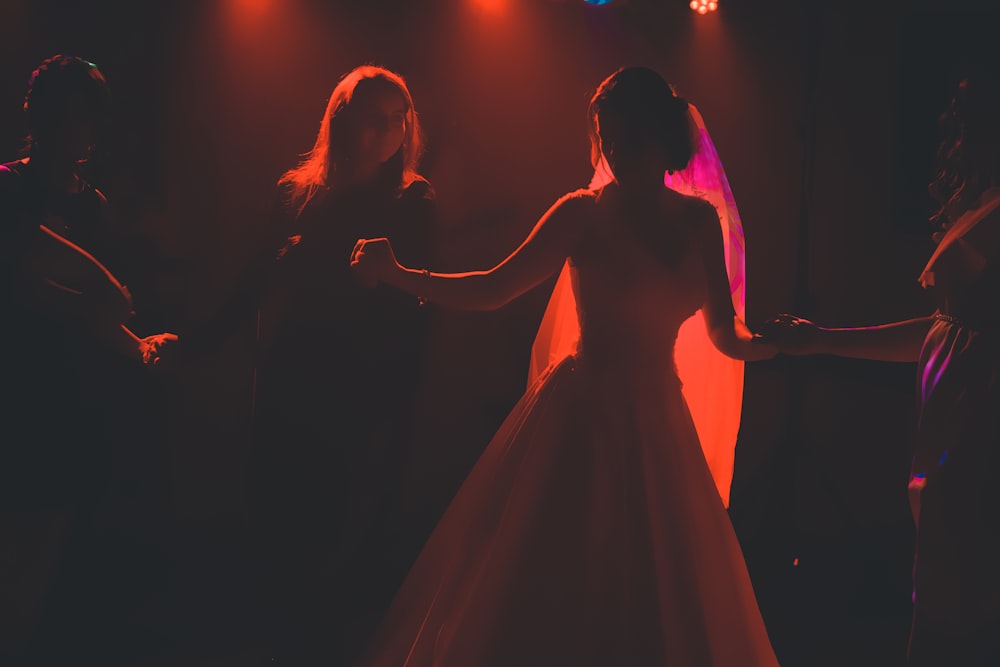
x=727, y=330
x=537, y=258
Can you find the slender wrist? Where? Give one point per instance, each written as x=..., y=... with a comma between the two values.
x=760, y=348
x=425, y=278
x=411, y=281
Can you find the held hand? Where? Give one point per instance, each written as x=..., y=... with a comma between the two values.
x=159, y=351
x=791, y=334
x=372, y=260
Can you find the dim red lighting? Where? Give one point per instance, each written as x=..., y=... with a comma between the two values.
x=251, y=7
x=704, y=6
x=249, y=17
x=491, y=6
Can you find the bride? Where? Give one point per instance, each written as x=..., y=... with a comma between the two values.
x=592, y=531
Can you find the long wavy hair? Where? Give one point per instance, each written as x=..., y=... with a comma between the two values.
x=318, y=167
x=969, y=152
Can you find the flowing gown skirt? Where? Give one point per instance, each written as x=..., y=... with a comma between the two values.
x=590, y=532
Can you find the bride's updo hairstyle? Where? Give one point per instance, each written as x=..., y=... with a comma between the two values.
x=636, y=105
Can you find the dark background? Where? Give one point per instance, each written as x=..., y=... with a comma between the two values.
x=824, y=114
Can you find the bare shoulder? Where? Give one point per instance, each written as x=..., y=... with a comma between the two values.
x=418, y=189
x=581, y=197
x=573, y=205
x=700, y=209
x=985, y=235
x=571, y=214
x=993, y=217
x=567, y=218
x=702, y=214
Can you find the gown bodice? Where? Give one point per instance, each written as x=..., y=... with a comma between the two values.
x=632, y=302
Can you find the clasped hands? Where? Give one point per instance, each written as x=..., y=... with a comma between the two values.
x=372, y=260
x=156, y=349
x=790, y=334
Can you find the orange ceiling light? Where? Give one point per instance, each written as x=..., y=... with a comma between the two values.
x=704, y=6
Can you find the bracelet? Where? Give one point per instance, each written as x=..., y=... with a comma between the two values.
x=421, y=300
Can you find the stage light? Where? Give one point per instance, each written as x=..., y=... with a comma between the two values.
x=494, y=7
x=704, y=6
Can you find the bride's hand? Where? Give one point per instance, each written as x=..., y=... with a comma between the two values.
x=372, y=260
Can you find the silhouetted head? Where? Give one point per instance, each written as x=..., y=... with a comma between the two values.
x=640, y=125
x=370, y=128
x=66, y=106
x=969, y=152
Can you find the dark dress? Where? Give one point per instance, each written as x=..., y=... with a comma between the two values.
x=338, y=370
x=53, y=450
x=75, y=472
x=953, y=493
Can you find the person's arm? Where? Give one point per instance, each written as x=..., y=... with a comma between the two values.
x=894, y=341
x=61, y=278
x=97, y=300
x=727, y=330
x=238, y=305
x=124, y=341
x=58, y=279
x=49, y=273
x=538, y=257
x=237, y=308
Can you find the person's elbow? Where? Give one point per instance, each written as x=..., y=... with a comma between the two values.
x=485, y=302
x=739, y=344
x=725, y=341
x=492, y=293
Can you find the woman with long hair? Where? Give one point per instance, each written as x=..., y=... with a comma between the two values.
x=325, y=491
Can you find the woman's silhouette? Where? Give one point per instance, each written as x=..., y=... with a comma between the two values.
x=325, y=488
x=69, y=360
x=956, y=583
x=591, y=531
